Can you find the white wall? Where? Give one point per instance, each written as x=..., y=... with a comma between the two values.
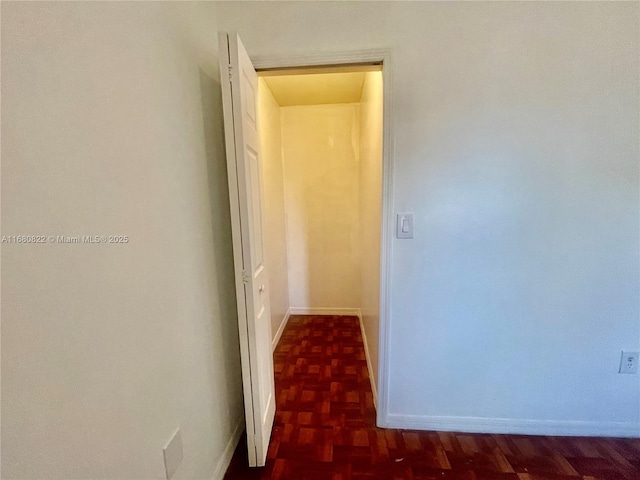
x=275, y=238
x=320, y=151
x=516, y=146
x=111, y=124
x=370, y=201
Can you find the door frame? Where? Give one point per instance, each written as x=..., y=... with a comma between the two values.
x=382, y=56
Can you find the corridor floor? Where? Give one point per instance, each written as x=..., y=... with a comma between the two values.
x=325, y=429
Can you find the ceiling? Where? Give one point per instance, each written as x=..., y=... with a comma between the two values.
x=316, y=89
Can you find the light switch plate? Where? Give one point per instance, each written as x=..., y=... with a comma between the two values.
x=173, y=454
x=404, y=225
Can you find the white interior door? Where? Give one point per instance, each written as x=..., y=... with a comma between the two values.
x=240, y=96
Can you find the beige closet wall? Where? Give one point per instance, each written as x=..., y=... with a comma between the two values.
x=320, y=146
x=274, y=210
x=370, y=178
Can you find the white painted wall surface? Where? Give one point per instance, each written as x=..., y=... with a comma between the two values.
x=516, y=145
x=112, y=125
x=274, y=228
x=320, y=154
x=370, y=181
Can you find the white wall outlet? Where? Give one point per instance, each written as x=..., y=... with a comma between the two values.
x=173, y=454
x=629, y=362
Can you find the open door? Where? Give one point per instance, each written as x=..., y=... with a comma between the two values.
x=240, y=96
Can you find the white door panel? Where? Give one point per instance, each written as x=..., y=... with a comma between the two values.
x=240, y=94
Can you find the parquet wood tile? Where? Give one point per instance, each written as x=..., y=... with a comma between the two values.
x=325, y=429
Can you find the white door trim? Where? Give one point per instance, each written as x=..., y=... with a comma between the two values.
x=354, y=57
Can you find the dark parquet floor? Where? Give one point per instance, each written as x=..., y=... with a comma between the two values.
x=325, y=427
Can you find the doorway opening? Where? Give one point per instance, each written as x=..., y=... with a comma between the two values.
x=321, y=142
x=350, y=213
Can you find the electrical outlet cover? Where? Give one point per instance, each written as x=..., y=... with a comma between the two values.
x=629, y=362
x=173, y=454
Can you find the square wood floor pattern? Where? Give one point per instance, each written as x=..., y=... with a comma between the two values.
x=325, y=427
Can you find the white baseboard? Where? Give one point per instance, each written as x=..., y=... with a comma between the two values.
x=324, y=311
x=372, y=379
x=513, y=426
x=227, y=455
x=283, y=323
